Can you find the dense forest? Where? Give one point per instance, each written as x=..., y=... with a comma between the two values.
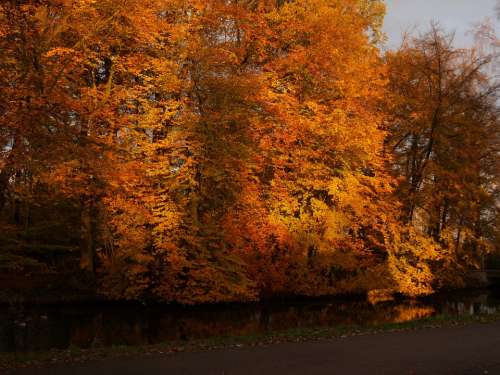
x=199, y=151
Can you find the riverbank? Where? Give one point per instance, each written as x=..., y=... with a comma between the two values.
x=101, y=359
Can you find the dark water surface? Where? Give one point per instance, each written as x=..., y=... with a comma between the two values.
x=34, y=328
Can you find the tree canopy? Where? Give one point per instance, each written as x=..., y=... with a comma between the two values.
x=229, y=150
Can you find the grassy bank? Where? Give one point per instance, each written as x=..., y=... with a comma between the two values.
x=76, y=355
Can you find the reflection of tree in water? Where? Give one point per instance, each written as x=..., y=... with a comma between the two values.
x=411, y=312
x=45, y=328
x=480, y=303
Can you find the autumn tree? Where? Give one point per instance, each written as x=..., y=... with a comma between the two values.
x=444, y=134
x=37, y=107
x=321, y=168
x=212, y=151
x=76, y=72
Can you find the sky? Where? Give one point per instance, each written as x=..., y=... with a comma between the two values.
x=453, y=15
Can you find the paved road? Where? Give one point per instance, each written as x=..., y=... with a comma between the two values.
x=474, y=349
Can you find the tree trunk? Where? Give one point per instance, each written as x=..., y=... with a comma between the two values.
x=4, y=183
x=87, y=252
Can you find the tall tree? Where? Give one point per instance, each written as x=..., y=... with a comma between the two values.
x=444, y=132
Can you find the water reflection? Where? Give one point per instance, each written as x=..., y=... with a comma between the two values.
x=41, y=328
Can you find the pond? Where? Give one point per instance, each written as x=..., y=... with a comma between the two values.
x=37, y=328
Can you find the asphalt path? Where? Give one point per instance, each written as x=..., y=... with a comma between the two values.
x=473, y=349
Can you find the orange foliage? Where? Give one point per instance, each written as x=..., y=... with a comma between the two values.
x=213, y=151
